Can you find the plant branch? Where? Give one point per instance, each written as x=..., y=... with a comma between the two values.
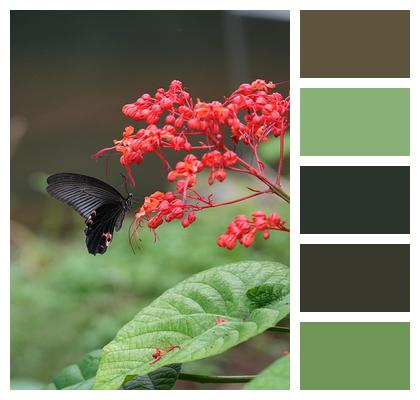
x=282, y=329
x=274, y=189
x=215, y=378
x=280, y=166
x=212, y=205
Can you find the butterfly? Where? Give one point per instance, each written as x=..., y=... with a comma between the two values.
x=102, y=206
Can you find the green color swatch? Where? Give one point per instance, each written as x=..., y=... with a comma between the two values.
x=355, y=122
x=355, y=355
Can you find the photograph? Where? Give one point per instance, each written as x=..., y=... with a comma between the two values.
x=150, y=200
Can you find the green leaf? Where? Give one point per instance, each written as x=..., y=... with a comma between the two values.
x=82, y=376
x=189, y=316
x=275, y=376
x=161, y=379
x=78, y=376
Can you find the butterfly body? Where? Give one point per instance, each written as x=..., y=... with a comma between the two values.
x=102, y=206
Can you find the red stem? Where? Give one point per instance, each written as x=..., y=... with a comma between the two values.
x=210, y=205
x=280, y=166
x=274, y=188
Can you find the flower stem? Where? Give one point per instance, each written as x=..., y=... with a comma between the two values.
x=275, y=189
x=281, y=193
x=282, y=329
x=215, y=379
x=232, y=201
x=280, y=166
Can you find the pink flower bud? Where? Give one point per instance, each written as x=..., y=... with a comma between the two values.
x=170, y=119
x=220, y=175
x=155, y=222
x=230, y=158
x=165, y=103
x=179, y=122
x=185, y=223
x=172, y=176
x=248, y=238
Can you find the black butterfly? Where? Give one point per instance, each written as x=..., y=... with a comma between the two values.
x=103, y=206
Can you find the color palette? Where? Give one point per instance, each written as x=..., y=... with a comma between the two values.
x=355, y=44
x=341, y=125
x=355, y=278
x=355, y=200
x=355, y=122
x=344, y=355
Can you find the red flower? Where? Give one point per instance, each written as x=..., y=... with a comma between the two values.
x=186, y=170
x=205, y=131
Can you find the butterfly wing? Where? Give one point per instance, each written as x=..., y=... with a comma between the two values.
x=100, y=227
x=83, y=193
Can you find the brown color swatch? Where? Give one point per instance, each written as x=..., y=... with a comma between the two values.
x=355, y=44
x=355, y=277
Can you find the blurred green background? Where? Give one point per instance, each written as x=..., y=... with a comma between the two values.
x=70, y=74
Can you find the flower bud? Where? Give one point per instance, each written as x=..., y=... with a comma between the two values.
x=155, y=221
x=220, y=175
x=165, y=103
x=170, y=119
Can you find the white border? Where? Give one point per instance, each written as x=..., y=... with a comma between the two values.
x=296, y=83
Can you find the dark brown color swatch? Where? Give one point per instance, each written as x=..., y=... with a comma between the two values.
x=355, y=44
x=351, y=278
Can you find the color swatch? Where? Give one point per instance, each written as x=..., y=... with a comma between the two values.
x=355, y=278
x=355, y=122
x=355, y=200
x=355, y=355
x=355, y=44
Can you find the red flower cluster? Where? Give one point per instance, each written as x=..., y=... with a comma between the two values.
x=163, y=206
x=264, y=113
x=243, y=230
x=174, y=121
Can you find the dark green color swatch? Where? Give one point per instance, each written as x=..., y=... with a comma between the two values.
x=355, y=122
x=355, y=44
x=336, y=200
x=355, y=277
x=355, y=355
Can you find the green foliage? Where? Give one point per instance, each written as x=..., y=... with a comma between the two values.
x=187, y=316
x=161, y=379
x=275, y=376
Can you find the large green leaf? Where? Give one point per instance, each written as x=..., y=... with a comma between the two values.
x=78, y=376
x=82, y=376
x=275, y=376
x=190, y=316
